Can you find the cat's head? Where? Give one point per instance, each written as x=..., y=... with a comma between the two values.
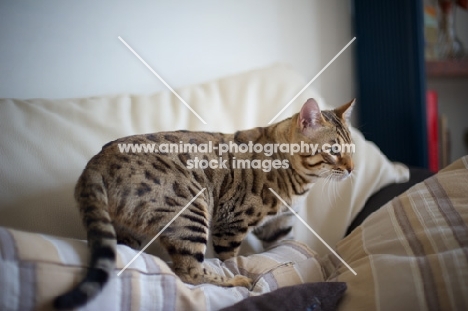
x=328, y=130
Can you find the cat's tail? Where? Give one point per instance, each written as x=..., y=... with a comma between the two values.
x=90, y=193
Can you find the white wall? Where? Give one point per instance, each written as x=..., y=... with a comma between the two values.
x=57, y=49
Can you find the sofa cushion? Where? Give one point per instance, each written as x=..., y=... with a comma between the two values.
x=384, y=195
x=35, y=268
x=411, y=254
x=46, y=144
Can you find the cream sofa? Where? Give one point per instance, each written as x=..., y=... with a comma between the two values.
x=46, y=143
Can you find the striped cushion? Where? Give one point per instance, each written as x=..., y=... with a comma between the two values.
x=412, y=254
x=34, y=268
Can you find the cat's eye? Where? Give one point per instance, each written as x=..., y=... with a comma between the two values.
x=333, y=150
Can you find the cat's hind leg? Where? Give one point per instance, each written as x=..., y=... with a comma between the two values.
x=124, y=236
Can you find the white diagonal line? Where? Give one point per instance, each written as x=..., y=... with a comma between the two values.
x=162, y=230
x=161, y=79
x=312, y=230
x=313, y=79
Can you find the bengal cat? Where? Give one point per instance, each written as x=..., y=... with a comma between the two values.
x=129, y=197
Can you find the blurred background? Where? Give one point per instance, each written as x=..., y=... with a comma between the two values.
x=412, y=78
x=63, y=49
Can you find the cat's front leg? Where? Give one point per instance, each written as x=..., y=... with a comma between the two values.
x=275, y=229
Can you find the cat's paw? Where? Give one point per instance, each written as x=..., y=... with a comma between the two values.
x=240, y=280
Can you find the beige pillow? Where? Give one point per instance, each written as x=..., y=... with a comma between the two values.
x=412, y=254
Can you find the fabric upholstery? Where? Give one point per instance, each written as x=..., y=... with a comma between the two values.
x=411, y=254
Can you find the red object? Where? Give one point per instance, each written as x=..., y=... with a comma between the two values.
x=463, y=4
x=432, y=130
x=445, y=6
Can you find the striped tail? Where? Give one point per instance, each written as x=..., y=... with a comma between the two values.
x=101, y=241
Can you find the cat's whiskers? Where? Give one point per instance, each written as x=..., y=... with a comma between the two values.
x=337, y=190
x=323, y=172
x=325, y=186
x=328, y=186
x=352, y=176
x=329, y=193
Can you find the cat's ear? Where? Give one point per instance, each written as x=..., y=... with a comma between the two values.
x=344, y=111
x=310, y=116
